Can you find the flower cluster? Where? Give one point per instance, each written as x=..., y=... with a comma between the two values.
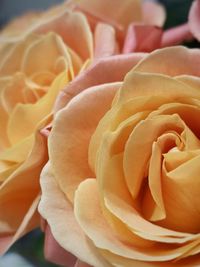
x=100, y=134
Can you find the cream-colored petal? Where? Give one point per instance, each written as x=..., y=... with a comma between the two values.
x=54, y=252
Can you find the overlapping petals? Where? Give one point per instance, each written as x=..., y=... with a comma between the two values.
x=35, y=66
x=129, y=171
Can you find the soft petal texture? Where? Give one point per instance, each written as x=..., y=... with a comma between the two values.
x=78, y=133
x=176, y=35
x=111, y=69
x=58, y=212
x=153, y=13
x=28, y=223
x=21, y=196
x=105, y=32
x=194, y=19
x=142, y=38
x=154, y=63
x=55, y=253
x=125, y=12
x=81, y=264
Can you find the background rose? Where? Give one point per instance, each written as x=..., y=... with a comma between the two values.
x=125, y=30
x=125, y=178
x=34, y=67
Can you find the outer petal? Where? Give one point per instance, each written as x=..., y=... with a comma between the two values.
x=105, y=40
x=153, y=13
x=176, y=35
x=107, y=70
x=73, y=28
x=125, y=11
x=76, y=124
x=162, y=61
x=55, y=253
x=143, y=38
x=194, y=19
x=59, y=214
x=17, y=195
x=81, y=264
x=29, y=222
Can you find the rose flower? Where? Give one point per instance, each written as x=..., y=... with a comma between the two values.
x=40, y=53
x=34, y=67
x=122, y=185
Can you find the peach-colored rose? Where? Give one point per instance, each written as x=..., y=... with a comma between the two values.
x=40, y=53
x=122, y=185
x=35, y=65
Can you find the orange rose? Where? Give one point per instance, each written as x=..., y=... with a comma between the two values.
x=121, y=187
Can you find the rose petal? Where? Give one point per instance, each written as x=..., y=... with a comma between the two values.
x=18, y=196
x=104, y=48
x=176, y=35
x=32, y=114
x=72, y=27
x=28, y=223
x=76, y=123
x=181, y=183
x=194, y=19
x=142, y=38
x=82, y=264
x=125, y=12
x=153, y=13
x=12, y=54
x=107, y=70
x=59, y=214
x=55, y=253
x=162, y=61
x=94, y=225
